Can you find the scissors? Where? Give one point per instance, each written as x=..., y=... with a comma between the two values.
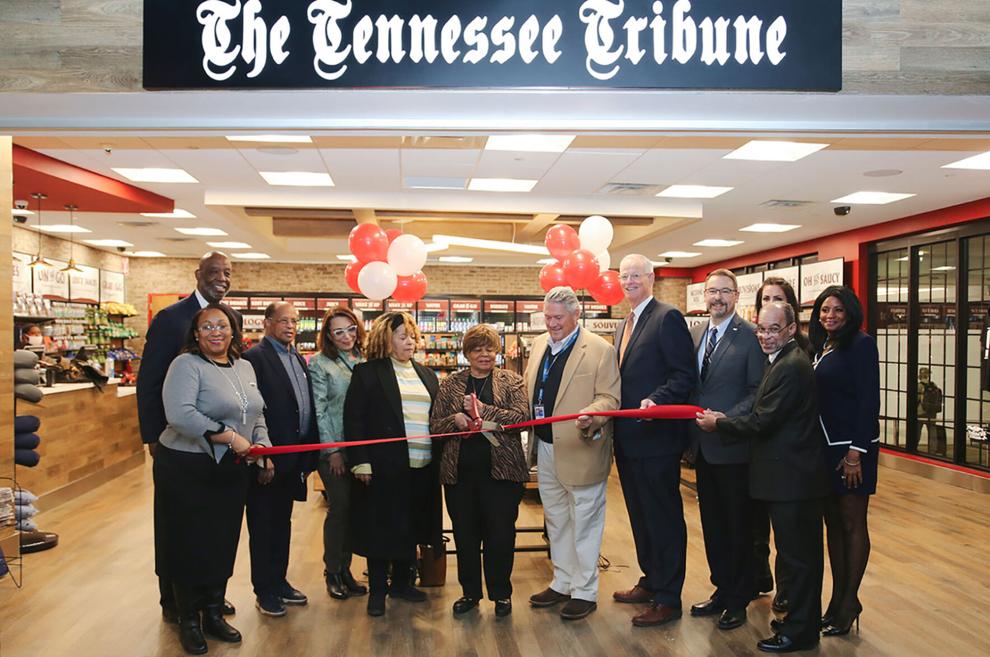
x=486, y=427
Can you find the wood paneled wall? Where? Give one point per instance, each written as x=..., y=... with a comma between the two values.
x=889, y=46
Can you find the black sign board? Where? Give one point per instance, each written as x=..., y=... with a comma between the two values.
x=647, y=44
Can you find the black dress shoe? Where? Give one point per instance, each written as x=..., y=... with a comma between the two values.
x=353, y=587
x=376, y=604
x=780, y=603
x=191, y=634
x=503, y=607
x=731, y=619
x=215, y=626
x=228, y=609
x=336, y=587
x=709, y=607
x=464, y=605
x=408, y=592
x=291, y=596
x=776, y=625
x=781, y=643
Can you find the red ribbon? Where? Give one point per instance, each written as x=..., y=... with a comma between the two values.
x=667, y=412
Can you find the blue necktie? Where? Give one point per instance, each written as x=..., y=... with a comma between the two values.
x=709, y=348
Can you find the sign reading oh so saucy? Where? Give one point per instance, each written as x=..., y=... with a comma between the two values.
x=677, y=44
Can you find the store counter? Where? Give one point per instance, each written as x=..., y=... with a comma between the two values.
x=88, y=437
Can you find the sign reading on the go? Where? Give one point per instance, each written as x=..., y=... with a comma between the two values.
x=682, y=44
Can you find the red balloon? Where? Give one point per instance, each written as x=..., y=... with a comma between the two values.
x=392, y=233
x=351, y=275
x=410, y=288
x=562, y=240
x=552, y=275
x=581, y=268
x=368, y=243
x=607, y=289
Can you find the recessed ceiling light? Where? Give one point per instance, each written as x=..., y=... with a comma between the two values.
x=202, y=232
x=944, y=268
x=678, y=254
x=662, y=263
x=979, y=162
x=429, y=182
x=774, y=151
x=144, y=254
x=501, y=185
x=63, y=228
x=693, y=191
x=347, y=258
x=546, y=261
x=108, y=242
x=871, y=198
x=718, y=243
x=250, y=255
x=177, y=213
x=272, y=139
x=229, y=245
x=456, y=259
x=494, y=245
x=297, y=178
x=530, y=143
x=768, y=228
x=156, y=175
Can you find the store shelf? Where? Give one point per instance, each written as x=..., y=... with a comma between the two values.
x=30, y=318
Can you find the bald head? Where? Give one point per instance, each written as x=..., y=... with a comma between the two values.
x=636, y=276
x=213, y=276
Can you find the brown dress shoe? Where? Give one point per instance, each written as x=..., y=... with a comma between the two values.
x=657, y=614
x=576, y=609
x=547, y=598
x=636, y=594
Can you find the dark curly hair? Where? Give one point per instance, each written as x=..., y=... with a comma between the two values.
x=854, y=318
x=191, y=345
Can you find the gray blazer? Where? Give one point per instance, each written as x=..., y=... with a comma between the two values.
x=734, y=374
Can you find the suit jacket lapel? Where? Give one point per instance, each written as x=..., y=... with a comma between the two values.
x=275, y=363
x=533, y=369
x=390, y=386
x=731, y=331
x=577, y=355
x=638, y=328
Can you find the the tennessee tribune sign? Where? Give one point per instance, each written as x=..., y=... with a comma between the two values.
x=675, y=44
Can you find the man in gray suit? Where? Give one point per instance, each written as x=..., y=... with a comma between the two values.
x=730, y=366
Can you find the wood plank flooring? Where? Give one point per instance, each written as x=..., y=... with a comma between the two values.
x=95, y=594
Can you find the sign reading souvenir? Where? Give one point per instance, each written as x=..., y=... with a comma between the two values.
x=111, y=286
x=601, y=324
x=817, y=276
x=85, y=285
x=678, y=44
x=21, y=273
x=696, y=298
x=50, y=282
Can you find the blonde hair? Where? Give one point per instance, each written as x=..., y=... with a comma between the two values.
x=380, y=336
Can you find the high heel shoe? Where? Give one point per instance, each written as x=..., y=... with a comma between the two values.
x=835, y=628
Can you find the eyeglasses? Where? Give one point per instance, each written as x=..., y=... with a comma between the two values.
x=631, y=277
x=341, y=332
x=770, y=330
x=715, y=291
x=287, y=321
x=210, y=328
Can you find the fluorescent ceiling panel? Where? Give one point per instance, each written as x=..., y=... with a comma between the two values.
x=769, y=228
x=501, y=185
x=456, y=259
x=678, y=254
x=202, y=232
x=272, y=139
x=774, y=151
x=530, y=143
x=297, y=178
x=718, y=243
x=156, y=175
x=693, y=191
x=144, y=254
x=979, y=162
x=63, y=228
x=252, y=256
x=108, y=242
x=493, y=245
x=229, y=245
x=871, y=198
x=177, y=213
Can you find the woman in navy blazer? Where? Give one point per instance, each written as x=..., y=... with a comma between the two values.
x=847, y=373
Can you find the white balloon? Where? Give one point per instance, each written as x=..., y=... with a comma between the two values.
x=604, y=261
x=596, y=233
x=377, y=280
x=407, y=254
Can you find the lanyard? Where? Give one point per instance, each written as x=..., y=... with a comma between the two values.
x=548, y=363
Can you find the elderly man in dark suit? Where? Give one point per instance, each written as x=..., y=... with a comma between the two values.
x=786, y=471
x=655, y=361
x=164, y=340
x=730, y=367
x=290, y=416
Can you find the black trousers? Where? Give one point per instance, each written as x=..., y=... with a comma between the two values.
x=381, y=571
x=797, y=532
x=723, y=498
x=269, y=520
x=483, y=512
x=336, y=524
x=651, y=488
x=761, y=551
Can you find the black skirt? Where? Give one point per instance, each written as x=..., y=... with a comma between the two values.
x=199, y=505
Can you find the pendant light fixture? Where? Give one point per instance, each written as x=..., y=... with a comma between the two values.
x=38, y=260
x=72, y=266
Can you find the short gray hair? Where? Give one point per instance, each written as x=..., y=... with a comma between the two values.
x=564, y=296
x=786, y=308
x=642, y=261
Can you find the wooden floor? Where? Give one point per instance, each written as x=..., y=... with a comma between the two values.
x=925, y=592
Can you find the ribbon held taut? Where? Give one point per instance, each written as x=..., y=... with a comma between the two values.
x=659, y=412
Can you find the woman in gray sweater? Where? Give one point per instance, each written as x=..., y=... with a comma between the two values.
x=215, y=414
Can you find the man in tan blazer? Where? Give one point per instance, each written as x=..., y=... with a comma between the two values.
x=572, y=370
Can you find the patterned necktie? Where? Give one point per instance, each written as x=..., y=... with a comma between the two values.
x=709, y=348
x=626, y=337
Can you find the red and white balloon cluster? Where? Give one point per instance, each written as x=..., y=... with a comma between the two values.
x=389, y=264
x=583, y=260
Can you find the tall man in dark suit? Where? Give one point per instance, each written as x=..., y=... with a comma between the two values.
x=655, y=361
x=730, y=367
x=786, y=471
x=291, y=419
x=164, y=340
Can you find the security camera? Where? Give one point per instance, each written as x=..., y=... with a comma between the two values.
x=108, y=148
x=841, y=210
x=20, y=204
x=668, y=260
x=20, y=219
x=121, y=248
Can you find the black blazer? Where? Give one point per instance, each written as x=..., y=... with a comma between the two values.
x=658, y=365
x=848, y=381
x=163, y=342
x=282, y=409
x=786, y=462
x=383, y=523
